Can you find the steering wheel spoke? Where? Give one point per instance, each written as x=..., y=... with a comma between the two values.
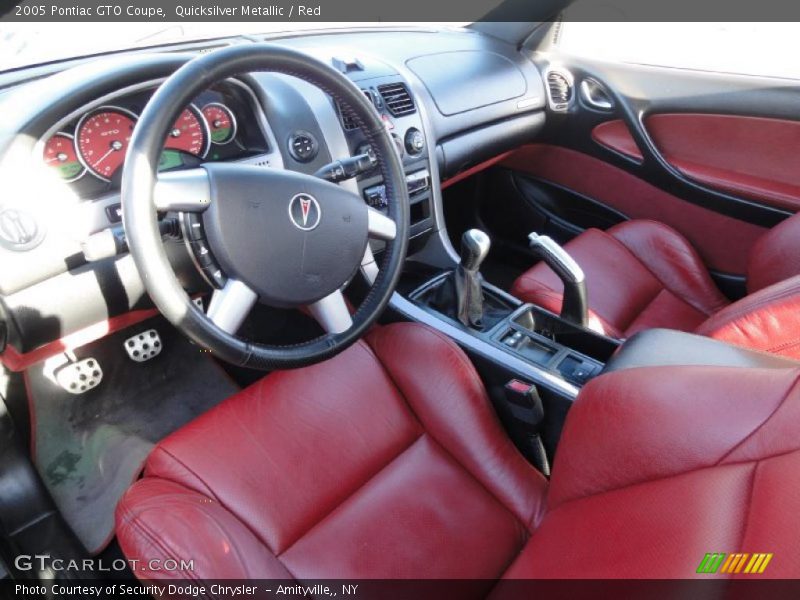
x=185, y=191
x=332, y=313
x=230, y=306
x=379, y=226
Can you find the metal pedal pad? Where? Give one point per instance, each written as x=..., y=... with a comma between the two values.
x=143, y=346
x=80, y=377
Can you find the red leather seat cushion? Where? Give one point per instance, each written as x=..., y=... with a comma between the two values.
x=386, y=461
x=639, y=275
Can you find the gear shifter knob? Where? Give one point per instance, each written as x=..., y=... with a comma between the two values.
x=475, y=246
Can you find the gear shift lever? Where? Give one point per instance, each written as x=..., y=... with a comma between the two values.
x=475, y=246
x=574, y=307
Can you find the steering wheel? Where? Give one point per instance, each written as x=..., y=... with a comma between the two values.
x=281, y=238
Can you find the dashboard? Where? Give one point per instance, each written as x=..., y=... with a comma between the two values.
x=88, y=150
x=450, y=99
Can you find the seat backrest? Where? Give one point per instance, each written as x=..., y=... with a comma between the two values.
x=766, y=320
x=775, y=256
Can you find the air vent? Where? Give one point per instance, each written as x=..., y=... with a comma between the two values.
x=559, y=90
x=348, y=120
x=397, y=98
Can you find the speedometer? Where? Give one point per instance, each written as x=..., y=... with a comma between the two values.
x=189, y=133
x=103, y=137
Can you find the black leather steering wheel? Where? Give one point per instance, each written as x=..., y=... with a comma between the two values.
x=282, y=238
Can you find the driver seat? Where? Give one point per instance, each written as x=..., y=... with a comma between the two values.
x=388, y=461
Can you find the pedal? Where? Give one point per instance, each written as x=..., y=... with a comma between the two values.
x=80, y=377
x=143, y=346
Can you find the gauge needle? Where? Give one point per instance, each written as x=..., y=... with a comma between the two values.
x=115, y=145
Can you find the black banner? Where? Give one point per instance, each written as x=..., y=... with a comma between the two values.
x=589, y=589
x=366, y=11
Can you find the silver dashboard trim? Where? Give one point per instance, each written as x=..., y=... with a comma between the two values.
x=536, y=374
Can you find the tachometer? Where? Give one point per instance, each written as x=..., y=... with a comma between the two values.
x=189, y=133
x=221, y=121
x=103, y=137
x=59, y=154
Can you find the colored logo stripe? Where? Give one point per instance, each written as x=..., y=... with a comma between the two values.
x=734, y=563
x=711, y=562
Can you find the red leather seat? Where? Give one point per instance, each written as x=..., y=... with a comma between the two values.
x=643, y=274
x=388, y=462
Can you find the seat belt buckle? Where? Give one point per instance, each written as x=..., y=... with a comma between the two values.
x=524, y=402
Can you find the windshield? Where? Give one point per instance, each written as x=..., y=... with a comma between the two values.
x=23, y=44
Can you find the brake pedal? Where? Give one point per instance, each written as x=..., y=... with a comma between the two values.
x=143, y=346
x=80, y=377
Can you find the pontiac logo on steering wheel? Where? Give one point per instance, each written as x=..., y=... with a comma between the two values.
x=304, y=212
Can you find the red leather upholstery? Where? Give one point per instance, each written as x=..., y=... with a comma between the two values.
x=752, y=157
x=616, y=136
x=711, y=233
x=639, y=274
x=657, y=466
x=388, y=462
x=768, y=320
x=642, y=275
x=775, y=256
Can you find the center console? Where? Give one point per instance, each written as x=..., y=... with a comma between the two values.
x=532, y=361
x=529, y=333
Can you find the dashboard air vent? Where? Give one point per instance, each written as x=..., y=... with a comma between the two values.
x=348, y=122
x=397, y=98
x=559, y=88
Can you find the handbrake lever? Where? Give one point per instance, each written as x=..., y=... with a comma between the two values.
x=575, y=306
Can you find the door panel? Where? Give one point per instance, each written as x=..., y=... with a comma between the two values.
x=723, y=242
x=708, y=154
x=752, y=157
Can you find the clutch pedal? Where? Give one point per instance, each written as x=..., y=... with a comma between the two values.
x=143, y=346
x=79, y=377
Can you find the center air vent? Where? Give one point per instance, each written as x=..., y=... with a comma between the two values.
x=348, y=120
x=397, y=99
x=559, y=90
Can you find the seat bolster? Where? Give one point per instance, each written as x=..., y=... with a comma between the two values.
x=673, y=261
x=775, y=256
x=446, y=394
x=162, y=520
x=768, y=320
x=638, y=425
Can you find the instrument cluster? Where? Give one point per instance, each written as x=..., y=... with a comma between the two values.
x=89, y=151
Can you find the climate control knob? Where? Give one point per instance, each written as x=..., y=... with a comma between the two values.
x=415, y=141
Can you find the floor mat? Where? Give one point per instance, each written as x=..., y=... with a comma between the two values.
x=90, y=448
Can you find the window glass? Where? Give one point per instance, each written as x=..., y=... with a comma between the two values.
x=769, y=49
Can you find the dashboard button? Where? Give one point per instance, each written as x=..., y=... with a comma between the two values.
x=376, y=197
x=303, y=146
x=202, y=253
x=114, y=213
x=215, y=274
x=193, y=226
x=414, y=141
